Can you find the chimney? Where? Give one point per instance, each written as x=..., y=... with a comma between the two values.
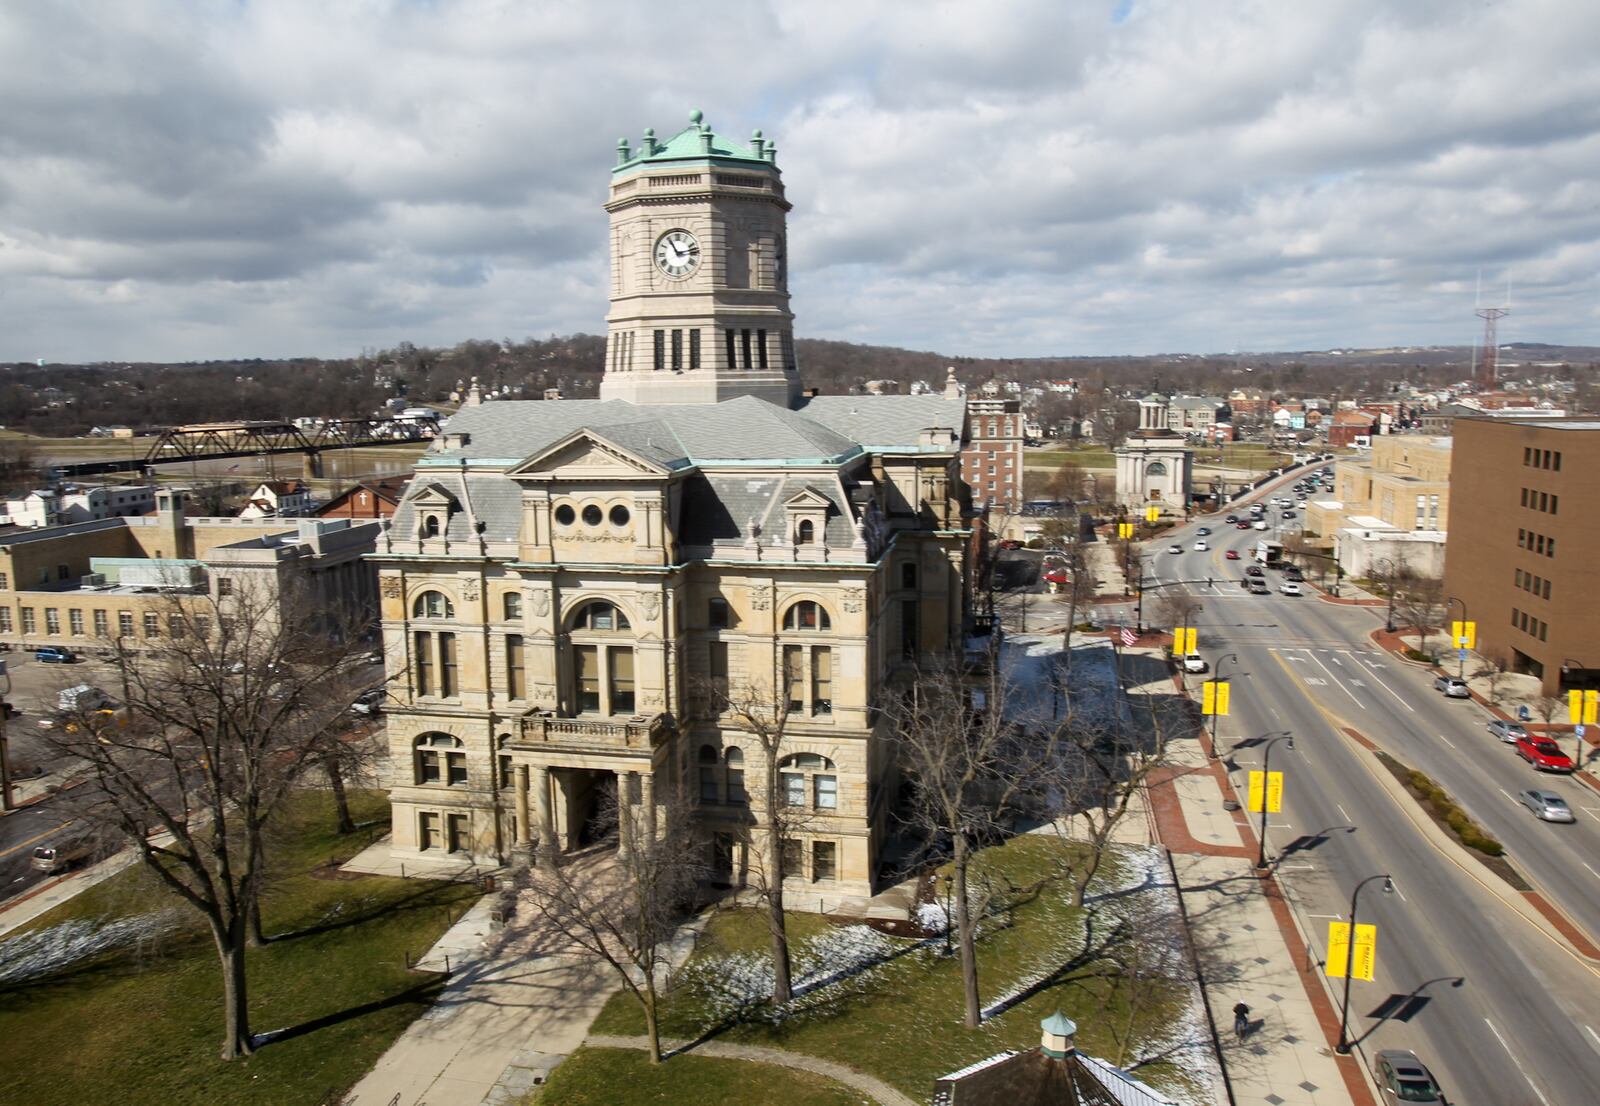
x=1058, y=1033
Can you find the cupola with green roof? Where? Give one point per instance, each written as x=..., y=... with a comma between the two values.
x=699, y=284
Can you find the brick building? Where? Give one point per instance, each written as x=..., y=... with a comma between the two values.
x=991, y=463
x=1526, y=567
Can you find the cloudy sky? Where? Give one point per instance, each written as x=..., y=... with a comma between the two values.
x=1004, y=178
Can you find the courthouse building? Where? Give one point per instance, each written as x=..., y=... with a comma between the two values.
x=565, y=582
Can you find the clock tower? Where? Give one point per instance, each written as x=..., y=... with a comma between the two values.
x=699, y=281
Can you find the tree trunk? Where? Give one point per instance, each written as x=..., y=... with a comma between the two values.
x=966, y=939
x=341, y=801
x=782, y=985
x=255, y=936
x=235, y=1001
x=651, y=1029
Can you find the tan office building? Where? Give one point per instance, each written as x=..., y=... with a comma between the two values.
x=1404, y=483
x=1524, y=561
x=564, y=583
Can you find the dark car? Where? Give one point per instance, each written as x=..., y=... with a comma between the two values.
x=1231, y=518
x=1254, y=570
x=1403, y=1078
x=1293, y=573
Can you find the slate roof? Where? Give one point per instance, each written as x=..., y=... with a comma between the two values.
x=826, y=429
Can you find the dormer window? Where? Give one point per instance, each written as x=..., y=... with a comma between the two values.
x=805, y=533
x=430, y=526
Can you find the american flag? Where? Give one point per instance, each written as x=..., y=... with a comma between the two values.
x=1129, y=637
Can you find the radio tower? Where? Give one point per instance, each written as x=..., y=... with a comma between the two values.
x=1487, y=368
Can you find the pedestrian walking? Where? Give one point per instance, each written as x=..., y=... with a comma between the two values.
x=1241, y=1020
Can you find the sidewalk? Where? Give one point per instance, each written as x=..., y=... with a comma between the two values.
x=52, y=893
x=1248, y=946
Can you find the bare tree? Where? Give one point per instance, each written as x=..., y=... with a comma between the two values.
x=1493, y=664
x=969, y=762
x=223, y=714
x=1418, y=603
x=1177, y=608
x=761, y=709
x=625, y=911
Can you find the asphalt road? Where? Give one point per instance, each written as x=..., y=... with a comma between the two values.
x=1523, y=1025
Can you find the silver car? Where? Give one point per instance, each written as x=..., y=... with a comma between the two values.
x=1403, y=1078
x=1509, y=732
x=1453, y=687
x=1546, y=805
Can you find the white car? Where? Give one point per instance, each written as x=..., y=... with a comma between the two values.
x=1201, y=547
x=1261, y=524
x=1194, y=662
x=1175, y=549
x=1289, y=587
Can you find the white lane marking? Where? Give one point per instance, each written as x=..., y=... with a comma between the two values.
x=1342, y=688
x=1401, y=893
x=1342, y=813
x=1515, y=1061
x=1447, y=741
x=1506, y=793
x=1593, y=1034
x=1335, y=917
x=1302, y=660
x=1398, y=697
x=1335, y=660
x=1592, y=872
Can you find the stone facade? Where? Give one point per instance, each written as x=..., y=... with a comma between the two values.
x=568, y=590
x=1155, y=466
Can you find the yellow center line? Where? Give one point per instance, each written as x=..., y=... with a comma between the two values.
x=36, y=837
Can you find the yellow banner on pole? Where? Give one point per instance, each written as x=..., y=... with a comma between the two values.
x=1257, y=790
x=1583, y=707
x=1124, y=530
x=1214, y=698
x=1274, y=792
x=1152, y=514
x=1464, y=635
x=1269, y=789
x=1366, y=957
x=1184, y=639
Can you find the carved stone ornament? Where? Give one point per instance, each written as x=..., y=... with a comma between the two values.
x=651, y=603
x=854, y=599
x=541, y=603
x=469, y=591
x=544, y=693
x=392, y=587
x=760, y=599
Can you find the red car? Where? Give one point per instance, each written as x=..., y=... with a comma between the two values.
x=1543, y=754
x=1232, y=554
x=1055, y=576
x=1241, y=526
x=1009, y=543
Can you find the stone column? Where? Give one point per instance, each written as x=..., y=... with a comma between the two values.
x=524, y=845
x=624, y=813
x=548, y=849
x=647, y=798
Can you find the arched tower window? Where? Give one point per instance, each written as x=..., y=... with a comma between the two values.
x=433, y=604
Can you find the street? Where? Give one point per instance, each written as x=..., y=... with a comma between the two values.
x=1502, y=1010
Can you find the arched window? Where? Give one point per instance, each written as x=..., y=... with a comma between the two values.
x=440, y=758
x=1155, y=468
x=430, y=526
x=806, y=615
x=513, y=605
x=600, y=616
x=805, y=533
x=734, y=760
x=808, y=781
x=433, y=604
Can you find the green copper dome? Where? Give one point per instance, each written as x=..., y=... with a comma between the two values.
x=695, y=143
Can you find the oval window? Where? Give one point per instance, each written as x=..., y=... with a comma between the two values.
x=619, y=515
x=565, y=515
x=591, y=515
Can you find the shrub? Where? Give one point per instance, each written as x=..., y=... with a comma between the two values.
x=1417, y=655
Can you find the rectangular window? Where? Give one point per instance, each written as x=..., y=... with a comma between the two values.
x=429, y=833
x=427, y=766
x=736, y=792
x=508, y=771
x=709, y=791
x=516, y=671
x=456, y=765
x=1519, y=577
x=793, y=860
x=733, y=362
x=661, y=350
x=5, y=620
x=1527, y=455
x=822, y=680
x=1555, y=502
x=694, y=349
x=744, y=340
x=202, y=625
x=5, y=581
x=1546, y=591
x=124, y=623
x=224, y=585
x=794, y=676
x=908, y=575
x=175, y=625
x=677, y=350
x=1555, y=458
x=29, y=626
x=447, y=665
x=1550, y=548
x=424, y=653
x=52, y=621
x=793, y=786
x=717, y=665
x=63, y=572
x=152, y=624
x=1544, y=629
x=588, y=671
x=75, y=623
x=621, y=680
x=718, y=615
x=908, y=627
x=824, y=860
x=826, y=790
x=761, y=348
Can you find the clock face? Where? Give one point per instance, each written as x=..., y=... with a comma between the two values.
x=677, y=253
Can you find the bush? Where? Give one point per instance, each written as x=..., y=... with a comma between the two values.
x=1418, y=655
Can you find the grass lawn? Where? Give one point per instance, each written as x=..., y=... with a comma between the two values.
x=144, y=1025
x=596, y=1076
x=901, y=1018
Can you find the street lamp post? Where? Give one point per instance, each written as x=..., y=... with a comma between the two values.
x=1216, y=676
x=1577, y=730
x=1345, y=1044
x=1461, y=650
x=1266, y=778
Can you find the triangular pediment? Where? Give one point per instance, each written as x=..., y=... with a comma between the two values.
x=808, y=497
x=586, y=454
x=434, y=495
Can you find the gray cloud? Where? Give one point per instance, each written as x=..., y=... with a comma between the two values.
x=1017, y=178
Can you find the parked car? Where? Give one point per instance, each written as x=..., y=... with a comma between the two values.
x=54, y=654
x=1175, y=549
x=1194, y=662
x=1544, y=754
x=1201, y=547
x=1403, y=1078
x=368, y=702
x=1289, y=587
x=1232, y=555
x=1453, y=687
x=1546, y=805
x=58, y=858
x=83, y=697
x=1509, y=732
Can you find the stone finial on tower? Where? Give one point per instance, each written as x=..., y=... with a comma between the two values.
x=647, y=144
x=952, y=387
x=474, y=394
x=623, y=153
x=757, y=143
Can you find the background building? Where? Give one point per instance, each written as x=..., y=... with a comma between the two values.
x=1155, y=466
x=1403, y=484
x=991, y=462
x=1528, y=572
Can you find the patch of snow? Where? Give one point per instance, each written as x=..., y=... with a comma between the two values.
x=46, y=952
x=932, y=919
